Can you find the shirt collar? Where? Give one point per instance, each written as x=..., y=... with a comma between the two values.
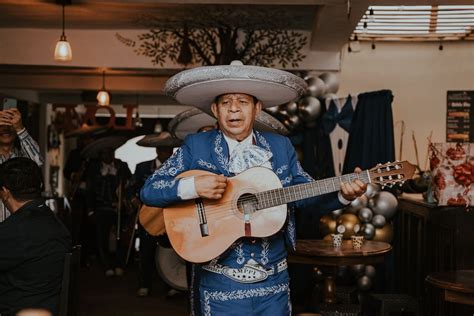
x=232, y=143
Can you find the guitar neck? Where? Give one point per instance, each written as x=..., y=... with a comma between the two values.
x=303, y=191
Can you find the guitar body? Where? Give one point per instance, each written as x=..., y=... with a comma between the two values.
x=225, y=217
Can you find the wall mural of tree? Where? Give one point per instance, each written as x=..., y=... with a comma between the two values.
x=215, y=35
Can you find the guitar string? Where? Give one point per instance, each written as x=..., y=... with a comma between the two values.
x=265, y=200
x=225, y=207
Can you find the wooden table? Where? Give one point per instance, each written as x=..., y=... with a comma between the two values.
x=322, y=253
x=456, y=287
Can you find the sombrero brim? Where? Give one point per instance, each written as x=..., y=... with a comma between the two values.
x=200, y=86
x=153, y=140
x=190, y=121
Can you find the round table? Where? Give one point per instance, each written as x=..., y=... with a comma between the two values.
x=323, y=253
x=456, y=286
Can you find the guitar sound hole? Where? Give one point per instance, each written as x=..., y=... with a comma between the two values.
x=247, y=203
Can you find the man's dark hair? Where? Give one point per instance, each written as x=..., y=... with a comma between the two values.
x=22, y=177
x=218, y=98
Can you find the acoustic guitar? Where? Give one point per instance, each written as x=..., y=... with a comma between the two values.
x=253, y=205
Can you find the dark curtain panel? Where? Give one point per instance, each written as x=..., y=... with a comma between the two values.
x=371, y=138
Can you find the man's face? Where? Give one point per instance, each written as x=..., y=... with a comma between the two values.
x=236, y=113
x=7, y=135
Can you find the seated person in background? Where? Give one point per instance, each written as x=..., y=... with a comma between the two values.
x=33, y=242
x=15, y=142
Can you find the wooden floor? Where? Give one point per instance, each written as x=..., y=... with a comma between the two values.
x=116, y=296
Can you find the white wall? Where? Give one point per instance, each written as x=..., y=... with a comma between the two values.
x=419, y=74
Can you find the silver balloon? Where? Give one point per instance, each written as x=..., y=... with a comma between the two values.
x=370, y=271
x=372, y=190
x=309, y=108
x=331, y=81
x=337, y=213
x=291, y=108
x=273, y=110
x=357, y=204
x=292, y=122
x=364, y=283
x=365, y=215
x=316, y=86
x=379, y=221
x=385, y=203
x=368, y=230
x=357, y=269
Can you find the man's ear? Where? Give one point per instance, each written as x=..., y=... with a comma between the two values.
x=258, y=108
x=214, y=109
x=4, y=193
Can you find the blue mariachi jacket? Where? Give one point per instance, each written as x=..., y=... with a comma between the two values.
x=209, y=151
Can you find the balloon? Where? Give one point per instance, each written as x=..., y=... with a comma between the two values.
x=384, y=234
x=291, y=108
x=379, y=221
x=292, y=122
x=316, y=86
x=309, y=108
x=318, y=274
x=327, y=225
x=337, y=213
x=372, y=190
x=357, y=204
x=368, y=230
x=351, y=224
x=365, y=215
x=328, y=237
x=331, y=81
x=370, y=271
x=358, y=269
x=364, y=283
x=273, y=110
x=385, y=203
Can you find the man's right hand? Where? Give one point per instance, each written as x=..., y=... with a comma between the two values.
x=210, y=186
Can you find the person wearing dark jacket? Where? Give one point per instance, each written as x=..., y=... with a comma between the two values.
x=33, y=242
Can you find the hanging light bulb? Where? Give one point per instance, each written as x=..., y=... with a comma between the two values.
x=63, y=51
x=371, y=15
x=138, y=121
x=103, y=97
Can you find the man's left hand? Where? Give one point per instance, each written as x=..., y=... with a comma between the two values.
x=351, y=191
x=12, y=117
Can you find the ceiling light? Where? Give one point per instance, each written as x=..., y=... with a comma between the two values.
x=63, y=51
x=103, y=97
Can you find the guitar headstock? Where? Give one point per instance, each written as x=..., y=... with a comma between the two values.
x=391, y=173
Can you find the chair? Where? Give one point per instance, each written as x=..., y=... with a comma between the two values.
x=68, y=297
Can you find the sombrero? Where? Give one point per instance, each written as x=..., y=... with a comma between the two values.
x=193, y=120
x=163, y=139
x=200, y=86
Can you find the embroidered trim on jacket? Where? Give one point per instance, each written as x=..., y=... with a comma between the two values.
x=241, y=294
x=206, y=164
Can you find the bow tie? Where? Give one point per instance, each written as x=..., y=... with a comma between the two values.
x=246, y=156
x=343, y=118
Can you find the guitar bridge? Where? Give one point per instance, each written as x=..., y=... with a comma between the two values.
x=202, y=217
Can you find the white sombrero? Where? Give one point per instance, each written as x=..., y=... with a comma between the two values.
x=193, y=120
x=200, y=86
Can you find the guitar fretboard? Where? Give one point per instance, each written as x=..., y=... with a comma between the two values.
x=298, y=192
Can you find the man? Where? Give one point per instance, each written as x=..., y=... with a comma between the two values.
x=33, y=242
x=11, y=130
x=237, y=94
x=105, y=178
x=164, y=144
